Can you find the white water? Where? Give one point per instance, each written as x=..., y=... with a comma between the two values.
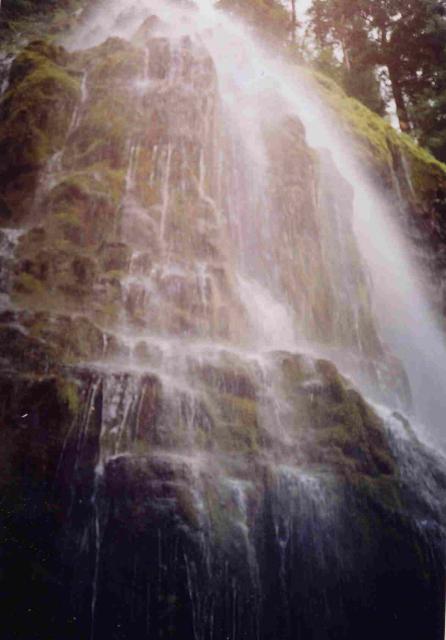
x=8, y=243
x=406, y=320
x=257, y=86
x=257, y=89
x=407, y=323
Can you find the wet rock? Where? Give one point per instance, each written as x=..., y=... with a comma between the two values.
x=35, y=117
x=178, y=479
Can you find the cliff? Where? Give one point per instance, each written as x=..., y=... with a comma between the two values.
x=411, y=177
x=172, y=464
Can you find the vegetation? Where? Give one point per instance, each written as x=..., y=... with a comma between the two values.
x=391, y=42
x=388, y=54
x=270, y=17
x=24, y=20
x=383, y=148
x=21, y=7
x=34, y=119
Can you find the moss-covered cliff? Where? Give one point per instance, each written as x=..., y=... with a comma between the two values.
x=413, y=179
x=163, y=474
x=131, y=495
x=22, y=20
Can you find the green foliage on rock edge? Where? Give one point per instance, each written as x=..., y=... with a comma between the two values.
x=378, y=143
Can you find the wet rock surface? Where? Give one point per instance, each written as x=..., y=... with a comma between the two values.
x=131, y=506
x=162, y=474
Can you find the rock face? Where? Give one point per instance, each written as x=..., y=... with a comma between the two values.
x=422, y=203
x=413, y=180
x=169, y=469
x=146, y=213
x=134, y=507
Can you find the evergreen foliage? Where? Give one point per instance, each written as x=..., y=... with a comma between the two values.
x=268, y=16
x=406, y=39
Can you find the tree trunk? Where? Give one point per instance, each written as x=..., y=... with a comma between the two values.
x=293, y=20
x=400, y=101
x=346, y=56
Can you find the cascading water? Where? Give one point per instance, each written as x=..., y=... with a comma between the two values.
x=258, y=92
x=219, y=479
x=406, y=320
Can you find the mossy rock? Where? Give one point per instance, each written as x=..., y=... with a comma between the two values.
x=383, y=149
x=230, y=376
x=114, y=256
x=35, y=117
x=231, y=425
x=114, y=61
x=48, y=274
x=71, y=339
x=83, y=208
x=49, y=340
x=68, y=392
x=414, y=180
x=21, y=351
x=103, y=133
x=25, y=20
x=27, y=284
x=345, y=430
x=109, y=116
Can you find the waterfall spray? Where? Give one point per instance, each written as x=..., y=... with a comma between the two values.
x=225, y=337
x=259, y=88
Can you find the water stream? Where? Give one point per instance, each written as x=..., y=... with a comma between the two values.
x=218, y=478
x=258, y=91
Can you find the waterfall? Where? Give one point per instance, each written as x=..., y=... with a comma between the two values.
x=258, y=91
x=406, y=319
x=221, y=384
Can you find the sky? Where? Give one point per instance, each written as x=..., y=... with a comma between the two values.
x=302, y=6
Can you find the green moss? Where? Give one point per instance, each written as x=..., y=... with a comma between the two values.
x=54, y=274
x=26, y=352
x=370, y=129
x=69, y=225
x=334, y=382
x=104, y=129
x=26, y=283
x=103, y=133
x=30, y=19
x=69, y=395
x=237, y=428
x=114, y=61
x=73, y=339
x=338, y=429
x=109, y=311
x=83, y=207
x=98, y=181
x=115, y=275
x=384, y=491
x=362, y=442
x=115, y=257
x=295, y=369
x=137, y=448
x=35, y=116
x=68, y=218
x=378, y=142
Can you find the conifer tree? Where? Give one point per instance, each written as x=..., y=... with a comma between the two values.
x=405, y=37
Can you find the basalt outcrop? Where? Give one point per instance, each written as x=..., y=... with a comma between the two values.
x=165, y=472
